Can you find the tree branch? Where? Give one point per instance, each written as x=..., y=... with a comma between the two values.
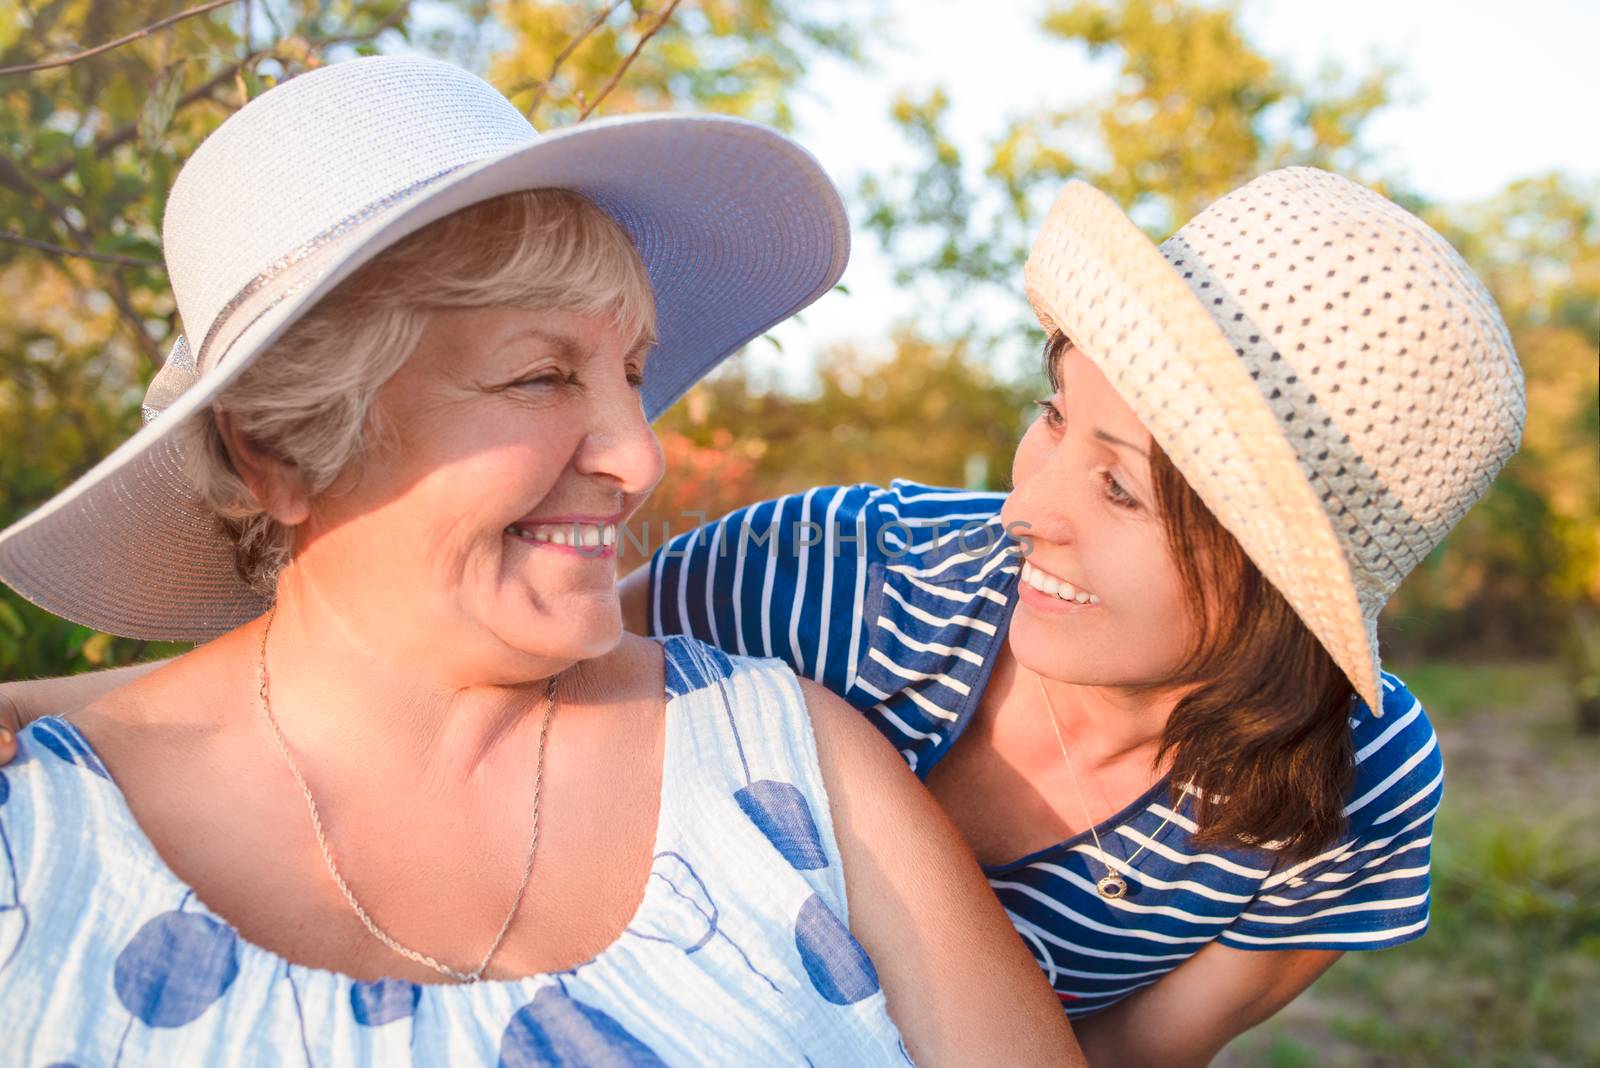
x=116, y=139
x=616, y=76
x=13, y=175
x=388, y=22
x=105, y=145
x=572, y=46
x=77, y=57
x=63, y=250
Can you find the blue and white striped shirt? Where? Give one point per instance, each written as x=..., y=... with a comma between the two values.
x=898, y=599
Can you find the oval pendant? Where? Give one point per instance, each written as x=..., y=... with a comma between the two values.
x=1111, y=887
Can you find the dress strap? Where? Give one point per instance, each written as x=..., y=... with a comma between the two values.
x=739, y=727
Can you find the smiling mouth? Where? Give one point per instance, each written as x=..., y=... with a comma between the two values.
x=595, y=537
x=1055, y=586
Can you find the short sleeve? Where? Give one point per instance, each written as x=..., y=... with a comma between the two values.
x=784, y=578
x=1372, y=889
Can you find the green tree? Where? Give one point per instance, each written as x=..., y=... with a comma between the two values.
x=1196, y=109
x=928, y=411
x=735, y=57
x=1522, y=571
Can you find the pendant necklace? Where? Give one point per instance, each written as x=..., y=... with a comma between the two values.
x=1111, y=885
x=476, y=974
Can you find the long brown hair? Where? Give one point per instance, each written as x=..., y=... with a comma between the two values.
x=1262, y=736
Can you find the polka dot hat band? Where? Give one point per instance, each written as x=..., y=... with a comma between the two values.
x=1322, y=367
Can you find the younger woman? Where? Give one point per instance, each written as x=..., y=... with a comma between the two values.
x=1145, y=683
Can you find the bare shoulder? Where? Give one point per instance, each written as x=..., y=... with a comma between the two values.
x=178, y=714
x=167, y=692
x=846, y=742
x=873, y=794
x=959, y=982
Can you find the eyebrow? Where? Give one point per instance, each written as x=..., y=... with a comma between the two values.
x=568, y=345
x=1109, y=439
x=1055, y=345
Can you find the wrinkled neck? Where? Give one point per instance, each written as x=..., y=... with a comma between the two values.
x=350, y=707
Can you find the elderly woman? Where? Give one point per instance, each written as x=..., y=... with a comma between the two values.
x=418, y=796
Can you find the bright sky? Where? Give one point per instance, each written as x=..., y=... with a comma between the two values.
x=1490, y=92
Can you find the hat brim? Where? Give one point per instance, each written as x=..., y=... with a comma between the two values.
x=1095, y=276
x=738, y=226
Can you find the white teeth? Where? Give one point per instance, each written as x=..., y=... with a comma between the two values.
x=586, y=535
x=1045, y=582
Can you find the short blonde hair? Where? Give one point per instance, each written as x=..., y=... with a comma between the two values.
x=309, y=401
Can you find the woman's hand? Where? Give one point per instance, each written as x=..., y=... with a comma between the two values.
x=960, y=984
x=10, y=724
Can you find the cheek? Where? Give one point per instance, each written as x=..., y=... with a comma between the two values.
x=433, y=500
x=1158, y=588
x=493, y=459
x=1153, y=593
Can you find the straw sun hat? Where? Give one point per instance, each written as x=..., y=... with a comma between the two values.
x=1321, y=366
x=738, y=227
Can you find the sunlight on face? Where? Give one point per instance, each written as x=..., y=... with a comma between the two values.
x=503, y=420
x=1083, y=487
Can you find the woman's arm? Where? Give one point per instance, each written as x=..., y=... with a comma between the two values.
x=1186, y=1017
x=752, y=581
x=23, y=702
x=960, y=984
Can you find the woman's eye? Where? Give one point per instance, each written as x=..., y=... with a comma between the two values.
x=1051, y=413
x=635, y=380
x=1115, y=493
x=553, y=378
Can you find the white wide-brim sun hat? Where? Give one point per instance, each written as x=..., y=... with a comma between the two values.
x=738, y=226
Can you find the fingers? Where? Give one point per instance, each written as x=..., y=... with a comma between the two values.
x=10, y=723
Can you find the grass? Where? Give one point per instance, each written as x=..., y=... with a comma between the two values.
x=1509, y=971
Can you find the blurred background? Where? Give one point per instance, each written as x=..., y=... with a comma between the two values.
x=950, y=125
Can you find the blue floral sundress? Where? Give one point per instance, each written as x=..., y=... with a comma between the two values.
x=739, y=953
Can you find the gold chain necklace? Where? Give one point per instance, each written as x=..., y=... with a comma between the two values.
x=1111, y=885
x=327, y=852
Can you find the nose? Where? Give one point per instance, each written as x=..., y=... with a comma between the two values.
x=1047, y=487
x=620, y=443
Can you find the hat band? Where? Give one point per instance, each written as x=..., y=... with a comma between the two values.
x=287, y=275
x=292, y=259
x=177, y=374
